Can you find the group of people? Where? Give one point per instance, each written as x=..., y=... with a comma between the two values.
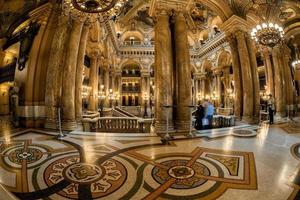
x=204, y=116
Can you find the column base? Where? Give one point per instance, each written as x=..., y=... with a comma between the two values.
x=68, y=125
x=79, y=124
x=51, y=124
x=279, y=115
x=249, y=120
x=161, y=127
x=183, y=125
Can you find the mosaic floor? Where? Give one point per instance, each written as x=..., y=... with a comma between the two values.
x=35, y=165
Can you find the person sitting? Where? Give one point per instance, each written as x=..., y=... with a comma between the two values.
x=199, y=116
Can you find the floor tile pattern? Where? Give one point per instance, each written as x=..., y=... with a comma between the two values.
x=36, y=165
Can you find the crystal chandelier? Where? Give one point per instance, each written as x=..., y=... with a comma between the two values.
x=268, y=34
x=296, y=62
x=92, y=10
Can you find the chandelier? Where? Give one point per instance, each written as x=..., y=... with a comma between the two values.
x=268, y=34
x=92, y=10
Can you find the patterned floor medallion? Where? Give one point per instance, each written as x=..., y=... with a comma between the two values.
x=81, y=173
x=186, y=177
x=103, y=179
x=244, y=133
x=33, y=155
x=204, y=173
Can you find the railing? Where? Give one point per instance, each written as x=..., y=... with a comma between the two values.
x=127, y=114
x=117, y=125
x=131, y=90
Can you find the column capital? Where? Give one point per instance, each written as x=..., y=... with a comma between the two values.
x=202, y=76
x=178, y=5
x=235, y=23
x=197, y=76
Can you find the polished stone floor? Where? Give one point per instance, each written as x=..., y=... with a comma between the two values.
x=216, y=164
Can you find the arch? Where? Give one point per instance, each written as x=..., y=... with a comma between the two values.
x=131, y=61
x=136, y=34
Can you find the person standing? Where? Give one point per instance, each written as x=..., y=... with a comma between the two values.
x=271, y=109
x=199, y=116
x=210, y=114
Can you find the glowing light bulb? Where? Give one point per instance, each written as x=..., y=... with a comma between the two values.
x=264, y=25
x=258, y=27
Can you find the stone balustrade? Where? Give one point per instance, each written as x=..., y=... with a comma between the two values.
x=117, y=125
x=221, y=121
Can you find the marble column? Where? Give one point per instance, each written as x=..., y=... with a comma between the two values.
x=54, y=71
x=218, y=74
x=183, y=69
x=163, y=72
x=247, y=78
x=93, y=82
x=143, y=92
x=255, y=78
x=269, y=70
x=79, y=73
x=119, y=86
x=106, y=85
x=226, y=75
x=196, y=86
x=279, y=84
x=237, y=74
x=289, y=92
x=68, y=78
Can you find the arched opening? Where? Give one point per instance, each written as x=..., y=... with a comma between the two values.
x=131, y=85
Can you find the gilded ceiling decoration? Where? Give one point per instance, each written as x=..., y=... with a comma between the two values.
x=13, y=11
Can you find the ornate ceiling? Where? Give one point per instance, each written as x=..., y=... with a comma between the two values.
x=203, y=14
